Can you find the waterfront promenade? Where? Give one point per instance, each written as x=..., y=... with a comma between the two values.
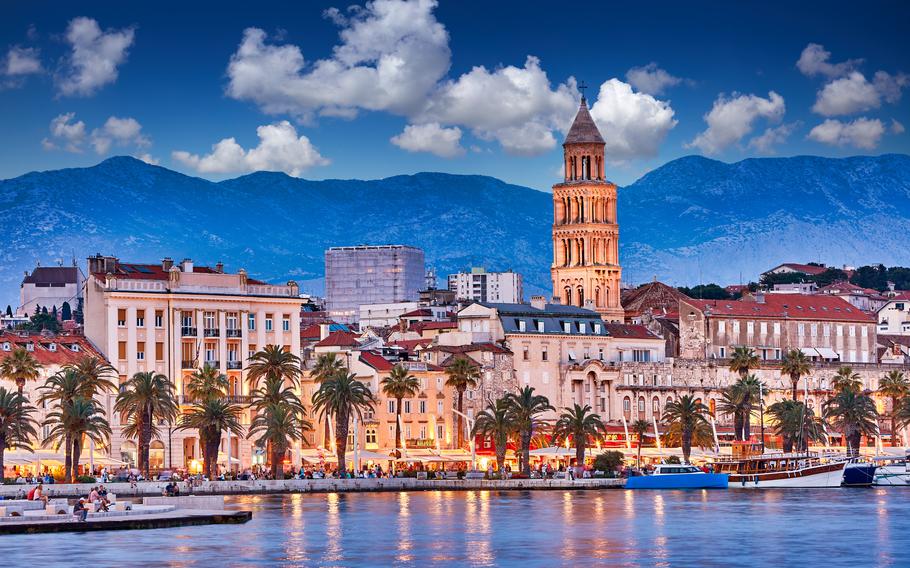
x=147, y=488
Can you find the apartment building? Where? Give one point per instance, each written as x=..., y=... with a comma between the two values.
x=174, y=318
x=894, y=316
x=478, y=285
x=825, y=327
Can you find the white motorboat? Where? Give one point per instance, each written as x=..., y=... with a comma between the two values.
x=893, y=471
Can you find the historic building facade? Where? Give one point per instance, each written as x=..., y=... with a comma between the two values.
x=586, y=270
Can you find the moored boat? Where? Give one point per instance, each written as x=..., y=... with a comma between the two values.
x=892, y=471
x=782, y=470
x=859, y=474
x=675, y=476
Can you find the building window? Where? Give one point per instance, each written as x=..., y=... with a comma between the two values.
x=852, y=331
x=52, y=347
x=140, y=318
x=121, y=317
x=521, y=326
x=545, y=377
x=582, y=327
x=440, y=406
x=597, y=328
x=721, y=326
x=800, y=329
x=750, y=327
x=159, y=351
x=159, y=318
x=735, y=326
x=567, y=327
x=626, y=405
x=543, y=353
x=440, y=432
x=526, y=353
x=864, y=331
x=186, y=319
x=422, y=406
x=286, y=323
x=722, y=352
x=777, y=328
x=230, y=320
x=540, y=326
x=370, y=436
x=813, y=330
x=121, y=350
x=641, y=355
x=763, y=328
x=251, y=351
x=392, y=406
x=840, y=331
x=826, y=330
x=140, y=350
x=268, y=322
x=251, y=322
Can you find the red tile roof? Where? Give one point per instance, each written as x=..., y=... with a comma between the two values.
x=136, y=271
x=804, y=268
x=837, y=288
x=419, y=312
x=376, y=361
x=653, y=296
x=420, y=326
x=311, y=332
x=339, y=339
x=62, y=355
x=901, y=296
x=621, y=330
x=411, y=344
x=52, y=275
x=786, y=306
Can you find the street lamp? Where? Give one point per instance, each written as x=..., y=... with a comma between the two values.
x=469, y=424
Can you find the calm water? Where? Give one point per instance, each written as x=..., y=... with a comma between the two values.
x=868, y=527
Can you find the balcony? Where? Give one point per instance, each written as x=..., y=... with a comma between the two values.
x=234, y=365
x=211, y=332
x=188, y=331
x=188, y=364
x=233, y=399
x=234, y=333
x=214, y=363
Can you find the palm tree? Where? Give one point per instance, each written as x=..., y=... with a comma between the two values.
x=796, y=424
x=795, y=364
x=732, y=404
x=895, y=386
x=853, y=414
x=342, y=397
x=327, y=366
x=463, y=374
x=145, y=399
x=687, y=422
x=20, y=366
x=210, y=418
x=497, y=423
x=639, y=428
x=279, y=425
x=273, y=361
x=206, y=383
x=400, y=384
x=526, y=408
x=74, y=420
x=845, y=379
x=17, y=426
x=95, y=376
x=582, y=425
x=744, y=360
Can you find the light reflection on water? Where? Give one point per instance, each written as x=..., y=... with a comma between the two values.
x=526, y=528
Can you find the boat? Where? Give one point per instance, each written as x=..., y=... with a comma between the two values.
x=782, y=470
x=893, y=471
x=859, y=474
x=678, y=476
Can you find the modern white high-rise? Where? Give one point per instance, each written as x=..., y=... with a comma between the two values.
x=482, y=286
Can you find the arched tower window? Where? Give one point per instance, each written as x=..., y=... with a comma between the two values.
x=567, y=296
x=581, y=296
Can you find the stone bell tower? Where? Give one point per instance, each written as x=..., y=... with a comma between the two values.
x=586, y=270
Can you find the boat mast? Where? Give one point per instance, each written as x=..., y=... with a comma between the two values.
x=761, y=412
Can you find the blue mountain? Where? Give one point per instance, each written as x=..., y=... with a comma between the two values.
x=691, y=220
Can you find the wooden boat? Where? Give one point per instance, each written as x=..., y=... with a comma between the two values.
x=782, y=470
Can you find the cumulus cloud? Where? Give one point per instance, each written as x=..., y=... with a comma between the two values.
x=22, y=61
x=119, y=131
x=94, y=58
x=432, y=138
x=651, y=79
x=847, y=95
x=516, y=106
x=732, y=118
x=632, y=124
x=66, y=132
x=147, y=158
x=860, y=133
x=814, y=61
x=772, y=137
x=279, y=149
x=391, y=55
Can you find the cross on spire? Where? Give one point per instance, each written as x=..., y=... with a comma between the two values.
x=581, y=87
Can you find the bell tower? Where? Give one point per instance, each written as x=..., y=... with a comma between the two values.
x=586, y=270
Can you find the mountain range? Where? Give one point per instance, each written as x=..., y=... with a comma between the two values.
x=691, y=220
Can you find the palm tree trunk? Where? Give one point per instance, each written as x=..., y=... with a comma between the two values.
x=580, y=457
x=68, y=458
x=145, y=442
x=277, y=461
x=77, y=453
x=2, y=451
x=894, y=422
x=459, y=436
x=639, y=452
x=686, y=444
x=526, y=452
x=397, y=427
x=211, y=459
x=501, y=457
x=341, y=441
x=794, y=386
x=20, y=385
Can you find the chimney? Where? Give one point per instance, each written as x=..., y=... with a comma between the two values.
x=102, y=264
x=219, y=267
x=186, y=265
x=759, y=297
x=538, y=302
x=323, y=331
x=589, y=304
x=166, y=263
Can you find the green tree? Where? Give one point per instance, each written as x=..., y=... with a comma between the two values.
x=400, y=384
x=896, y=387
x=639, y=428
x=327, y=366
x=342, y=397
x=143, y=400
x=497, y=423
x=279, y=420
x=732, y=403
x=795, y=365
x=583, y=427
x=846, y=380
x=795, y=424
x=74, y=420
x=463, y=374
x=211, y=417
x=273, y=361
x=743, y=360
x=706, y=292
x=526, y=408
x=9, y=311
x=206, y=383
x=17, y=424
x=687, y=423
x=853, y=414
x=20, y=366
x=608, y=462
x=66, y=312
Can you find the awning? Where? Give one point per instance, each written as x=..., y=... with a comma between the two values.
x=367, y=455
x=827, y=353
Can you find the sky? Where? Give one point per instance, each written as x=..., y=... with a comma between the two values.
x=370, y=90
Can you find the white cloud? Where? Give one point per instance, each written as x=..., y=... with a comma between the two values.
x=773, y=136
x=120, y=131
x=391, y=55
x=432, y=138
x=515, y=106
x=890, y=86
x=732, y=118
x=94, y=58
x=814, y=61
x=632, y=124
x=279, y=149
x=22, y=61
x=651, y=79
x=896, y=127
x=847, y=95
x=861, y=133
x=148, y=159
x=65, y=131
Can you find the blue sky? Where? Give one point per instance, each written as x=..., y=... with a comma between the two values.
x=465, y=87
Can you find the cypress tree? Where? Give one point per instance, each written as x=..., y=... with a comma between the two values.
x=66, y=313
